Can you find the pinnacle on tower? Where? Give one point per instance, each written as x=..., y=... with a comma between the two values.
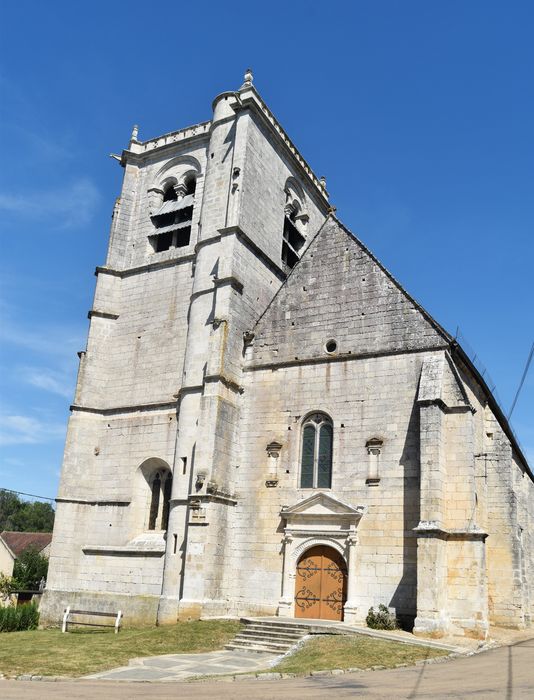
x=248, y=78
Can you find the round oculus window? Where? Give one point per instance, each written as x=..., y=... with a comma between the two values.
x=330, y=346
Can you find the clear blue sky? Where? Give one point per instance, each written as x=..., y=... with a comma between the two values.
x=420, y=114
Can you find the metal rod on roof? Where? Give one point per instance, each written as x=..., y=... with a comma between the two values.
x=522, y=380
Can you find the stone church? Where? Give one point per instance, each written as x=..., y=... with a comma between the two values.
x=265, y=422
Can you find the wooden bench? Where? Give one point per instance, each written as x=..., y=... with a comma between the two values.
x=69, y=612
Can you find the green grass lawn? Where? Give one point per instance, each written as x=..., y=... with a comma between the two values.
x=83, y=651
x=326, y=652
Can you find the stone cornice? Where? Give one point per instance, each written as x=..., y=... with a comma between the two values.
x=101, y=270
x=132, y=408
x=431, y=529
x=233, y=282
x=124, y=550
x=244, y=238
x=194, y=498
x=445, y=408
x=228, y=383
x=340, y=357
x=93, y=502
x=102, y=314
x=138, y=150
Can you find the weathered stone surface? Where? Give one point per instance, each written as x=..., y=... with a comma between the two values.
x=204, y=360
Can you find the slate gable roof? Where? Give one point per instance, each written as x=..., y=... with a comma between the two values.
x=19, y=542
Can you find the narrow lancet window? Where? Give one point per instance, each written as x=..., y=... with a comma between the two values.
x=167, y=490
x=316, y=452
x=154, y=502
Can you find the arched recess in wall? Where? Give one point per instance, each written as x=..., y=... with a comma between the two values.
x=153, y=494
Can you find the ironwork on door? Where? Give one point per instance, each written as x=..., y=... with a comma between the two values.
x=321, y=584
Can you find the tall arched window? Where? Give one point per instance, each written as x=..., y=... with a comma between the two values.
x=154, y=501
x=316, y=452
x=160, y=496
x=167, y=490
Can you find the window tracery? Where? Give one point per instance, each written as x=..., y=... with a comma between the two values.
x=316, y=452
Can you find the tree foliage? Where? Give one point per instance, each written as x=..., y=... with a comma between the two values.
x=29, y=569
x=24, y=516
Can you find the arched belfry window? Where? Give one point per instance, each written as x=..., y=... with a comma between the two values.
x=160, y=496
x=295, y=222
x=316, y=452
x=173, y=220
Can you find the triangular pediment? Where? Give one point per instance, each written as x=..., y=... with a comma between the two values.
x=340, y=291
x=321, y=504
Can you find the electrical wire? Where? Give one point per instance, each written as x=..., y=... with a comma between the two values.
x=522, y=380
x=32, y=495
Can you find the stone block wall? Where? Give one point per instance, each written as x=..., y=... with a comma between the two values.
x=365, y=399
x=267, y=168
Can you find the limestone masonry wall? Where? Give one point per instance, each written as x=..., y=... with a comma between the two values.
x=204, y=360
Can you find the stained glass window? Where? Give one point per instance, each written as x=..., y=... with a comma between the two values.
x=316, y=453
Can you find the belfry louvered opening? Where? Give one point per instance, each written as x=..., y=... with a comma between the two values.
x=174, y=218
x=292, y=242
x=316, y=452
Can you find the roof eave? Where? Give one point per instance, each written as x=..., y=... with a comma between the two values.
x=457, y=349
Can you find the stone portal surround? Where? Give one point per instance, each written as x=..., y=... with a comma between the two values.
x=319, y=520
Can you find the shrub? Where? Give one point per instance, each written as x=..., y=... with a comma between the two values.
x=381, y=619
x=30, y=567
x=25, y=617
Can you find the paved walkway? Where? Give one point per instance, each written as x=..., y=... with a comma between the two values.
x=176, y=667
x=506, y=673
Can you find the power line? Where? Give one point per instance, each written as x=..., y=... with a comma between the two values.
x=32, y=495
x=522, y=380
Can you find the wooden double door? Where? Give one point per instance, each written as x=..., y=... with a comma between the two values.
x=321, y=584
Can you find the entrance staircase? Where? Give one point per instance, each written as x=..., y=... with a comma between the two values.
x=271, y=636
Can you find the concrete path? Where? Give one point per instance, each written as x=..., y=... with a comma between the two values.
x=506, y=673
x=176, y=667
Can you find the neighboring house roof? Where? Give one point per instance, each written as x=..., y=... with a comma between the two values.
x=18, y=542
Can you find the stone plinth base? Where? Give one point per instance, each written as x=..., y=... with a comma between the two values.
x=352, y=614
x=168, y=610
x=285, y=608
x=136, y=609
x=475, y=629
x=433, y=627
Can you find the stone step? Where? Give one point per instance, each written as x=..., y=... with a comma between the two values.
x=253, y=639
x=271, y=633
x=283, y=627
x=264, y=640
x=264, y=647
x=269, y=636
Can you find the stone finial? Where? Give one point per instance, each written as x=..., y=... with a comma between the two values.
x=135, y=131
x=248, y=77
x=322, y=180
